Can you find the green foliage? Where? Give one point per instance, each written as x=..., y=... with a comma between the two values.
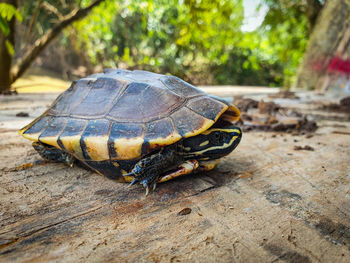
x=284, y=35
x=7, y=12
x=182, y=38
x=198, y=40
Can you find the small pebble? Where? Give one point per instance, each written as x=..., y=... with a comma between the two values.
x=22, y=114
x=306, y=148
x=184, y=211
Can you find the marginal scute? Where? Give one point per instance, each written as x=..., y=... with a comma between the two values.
x=128, y=148
x=232, y=114
x=51, y=133
x=94, y=140
x=141, y=102
x=125, y=141
x=189, y=123
x=159, y=134
x=72, y=145
x=70, y=137
x=99, y=99
x=96, y=148
x=207, y=107
x=33, y=130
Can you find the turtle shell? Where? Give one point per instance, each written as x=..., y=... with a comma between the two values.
x=123, y=115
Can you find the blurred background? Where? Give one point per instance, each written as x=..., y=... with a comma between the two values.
x=274, y=43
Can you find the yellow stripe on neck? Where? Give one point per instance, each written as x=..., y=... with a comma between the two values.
x=224, y=146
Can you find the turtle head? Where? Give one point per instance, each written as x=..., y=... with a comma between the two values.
x=213, y=143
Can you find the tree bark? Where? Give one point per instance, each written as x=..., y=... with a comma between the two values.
x=23, y=64
x=328, y=42
x=313, y=9
x=5, y=56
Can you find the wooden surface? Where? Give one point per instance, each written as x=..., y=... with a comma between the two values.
x=265, y=202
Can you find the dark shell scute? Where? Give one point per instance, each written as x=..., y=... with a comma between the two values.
x=187, y=121
x=97, y=128
x=180, y=87
x=71, y=98
x=115, y=71
x=73, y=127
x=161, y=128
x=142, y=102
x=206, y=107
x=155, y=130
x=125, y=130
x=54, y=128
x=100, y=97
x=39, y=125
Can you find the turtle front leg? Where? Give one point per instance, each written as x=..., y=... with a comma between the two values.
x=148, y=170
x=183, y=169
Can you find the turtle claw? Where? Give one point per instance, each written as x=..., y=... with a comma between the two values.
x=145, y=185
x=149, y=183
x=154, y=186
x=147, y=190
x=134, y=181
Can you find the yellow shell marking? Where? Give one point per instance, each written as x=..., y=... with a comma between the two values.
x=128, y=148
x=50, y=140
x=72, y=144
x=97, y=147
x=206, y=125
x=224, y=109
x=30, y=136
x=232, y=114
x=160, y=141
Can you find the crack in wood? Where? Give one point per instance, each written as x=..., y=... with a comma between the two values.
x=22, y=235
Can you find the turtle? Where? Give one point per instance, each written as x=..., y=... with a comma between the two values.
x=136, y=126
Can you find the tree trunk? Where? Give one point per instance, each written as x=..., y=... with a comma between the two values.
x=328, y=52
x=313, y=9
x=5, y=56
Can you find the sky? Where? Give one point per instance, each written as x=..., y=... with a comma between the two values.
x=252, y=17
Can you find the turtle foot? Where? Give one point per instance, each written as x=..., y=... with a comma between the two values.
x=148, y=183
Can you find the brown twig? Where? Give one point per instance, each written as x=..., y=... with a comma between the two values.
x=32, y=21
x=23, y=63
x=53, y=10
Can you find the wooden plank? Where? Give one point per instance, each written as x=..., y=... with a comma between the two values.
x=265, y=202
